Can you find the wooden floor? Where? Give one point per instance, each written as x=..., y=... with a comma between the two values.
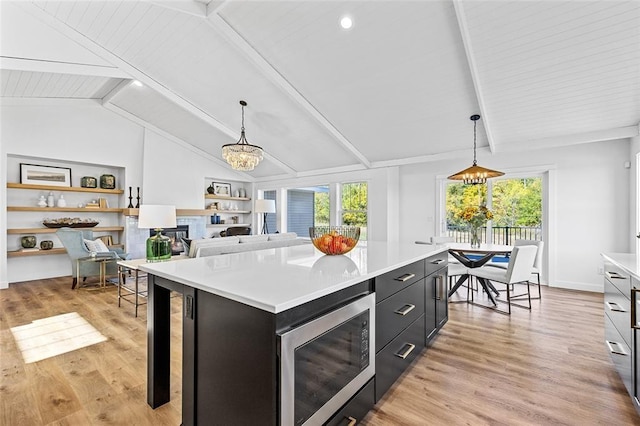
x=544, y=367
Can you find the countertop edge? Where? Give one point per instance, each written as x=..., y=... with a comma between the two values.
x=281, y=307
x=621, y=260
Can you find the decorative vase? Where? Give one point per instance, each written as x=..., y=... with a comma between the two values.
x=42, y=202
x=51, y=202
x=107, y=181
x=211, y=189
x=61, y=201
x=28, y=241
x=474, y=236
x=46, y=244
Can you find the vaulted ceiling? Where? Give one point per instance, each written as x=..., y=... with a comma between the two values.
x=397, y=88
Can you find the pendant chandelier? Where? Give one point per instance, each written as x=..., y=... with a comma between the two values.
x=242, y=155
x=475, y=174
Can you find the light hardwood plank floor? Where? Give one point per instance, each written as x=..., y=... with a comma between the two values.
x=547, y=366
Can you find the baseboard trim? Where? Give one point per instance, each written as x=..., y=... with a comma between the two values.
x=570, y=285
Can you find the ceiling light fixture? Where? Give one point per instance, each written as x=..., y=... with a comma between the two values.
x=475, y=174
x=242, y=155
x=346, y=22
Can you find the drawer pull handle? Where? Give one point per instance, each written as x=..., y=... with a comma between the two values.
x=614, y=276
x=405, y=277
x=437, y=261
x=613, y=306
x=410, y=347
x=405, y=309
x=619, y=351
x=634, y=308
x=352, y=421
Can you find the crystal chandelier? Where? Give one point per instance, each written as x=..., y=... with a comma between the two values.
x=475, y=174
x=242, y=155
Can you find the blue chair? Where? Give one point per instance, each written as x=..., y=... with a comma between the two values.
x=72, y=240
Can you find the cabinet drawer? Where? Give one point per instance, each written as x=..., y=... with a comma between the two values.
x=620, y=353
x=618, y=277
x=618, y=309
x=394, y=281
x=394, y=358
x=436, y=262
x=395, y=313
x=354, y=411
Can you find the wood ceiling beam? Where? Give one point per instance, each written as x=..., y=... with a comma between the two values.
x=473, y=69
x=223, y=28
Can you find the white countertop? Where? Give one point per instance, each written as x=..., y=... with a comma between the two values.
x=278, y=279
x=628, y=261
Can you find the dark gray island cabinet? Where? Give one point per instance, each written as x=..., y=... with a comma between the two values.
x=243, y=360
x=621, y=303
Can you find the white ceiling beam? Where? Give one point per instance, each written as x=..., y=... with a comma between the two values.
x=38, y=65
x=8, y=101
x=132, y=71
x=450, y=155
x=216, y=6
x=222, y=27
x=572, y=139
x=119, y=87
x=473, y=69
x=192, y=8
x=117, y=110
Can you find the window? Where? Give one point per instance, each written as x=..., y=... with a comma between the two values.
x=307, y=207
x=354, y=206
x=516, y=204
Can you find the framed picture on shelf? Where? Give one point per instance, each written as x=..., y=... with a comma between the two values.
x=222, y=189
x=34, y=174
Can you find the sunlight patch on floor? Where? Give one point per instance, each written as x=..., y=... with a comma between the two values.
x=55, y=335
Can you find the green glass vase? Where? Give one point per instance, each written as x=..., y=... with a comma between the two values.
x=158, y=247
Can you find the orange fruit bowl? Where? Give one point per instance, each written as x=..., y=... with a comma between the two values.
x=333, y=240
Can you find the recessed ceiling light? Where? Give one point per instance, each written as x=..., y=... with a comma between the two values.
x=346, y=22
x=137, y=83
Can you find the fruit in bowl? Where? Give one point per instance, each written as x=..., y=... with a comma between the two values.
x=334, y=239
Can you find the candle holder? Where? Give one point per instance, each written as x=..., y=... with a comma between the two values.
x=138, y=199
x=130, y=206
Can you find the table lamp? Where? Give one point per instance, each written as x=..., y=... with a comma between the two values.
x=157, y=217
x=264, y=207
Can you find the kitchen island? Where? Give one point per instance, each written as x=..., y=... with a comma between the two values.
x=237, y=306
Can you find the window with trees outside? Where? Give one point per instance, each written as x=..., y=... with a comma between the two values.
x=516, y=205
x=354, y=206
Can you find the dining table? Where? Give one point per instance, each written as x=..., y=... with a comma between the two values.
x=475, y=257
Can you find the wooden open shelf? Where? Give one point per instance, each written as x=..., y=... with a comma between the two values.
x=56, y=250
x=189, y=212
x=53, y=230
x=19, y=253
x=63, y=209
x=225, y=197
x=64, y=188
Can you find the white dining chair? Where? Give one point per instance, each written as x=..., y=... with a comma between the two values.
x=518, y=271
x=537, y=264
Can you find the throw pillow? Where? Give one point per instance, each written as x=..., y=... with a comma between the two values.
x=186, y=244
x=97, y=246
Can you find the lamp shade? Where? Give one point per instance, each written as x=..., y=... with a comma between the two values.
x=156, y=216
x=265, y=206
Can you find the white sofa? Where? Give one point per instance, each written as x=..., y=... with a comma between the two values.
x=240, y=243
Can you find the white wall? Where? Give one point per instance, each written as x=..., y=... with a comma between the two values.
x=591, y=204
x=85, y=132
